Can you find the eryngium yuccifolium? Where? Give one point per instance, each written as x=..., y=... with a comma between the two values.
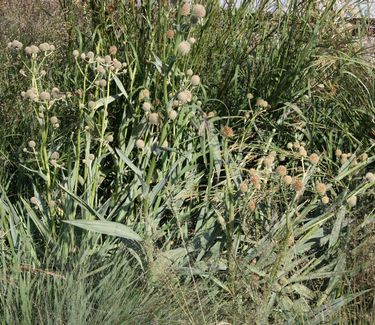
x=183, y=97
x=189, y=72
x=281, y=170
x=314, y=158
x=192, y=40
x=325, y=199
x=153, y=118
x=199, y=11
x=320, y=188
x=113, y=50
x=146, y=106
x=227, y=132
x=34, y=200
x=184, y=48
x=370, y=177
x=185, y=9
x=288, y=179
x=244, y=187
x=298, y=184
x=45, y=96
x=54, y=120
x=76, y=53
x=55, y=155
x=140, y=144
x=143, y=94
x=262, y=103
x=170, y=33
x=195, y=80
x=90, y=55
x=352, y=201
x=172, y=115
x=31, y=144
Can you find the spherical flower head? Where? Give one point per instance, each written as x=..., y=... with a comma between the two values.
x=91, y=156
x=140, y=144
x=314, y=159
x=338, y=153
x=175, y=104
x=45, y=96
x=227, y=132
x=31, y=144
x=344, y=158
x=281, y=170
x=296, y=145
x=44, y=47
x=252, y=171
x=102, y=83
x=189, y=72
x=172, y=115
x=352, y=201
x=91, y=104
x=146, y=106
x=170, y=34
x=244, y=187
x=17, y=45
x=90, y=55
x=269, y=160
x=288, y=179
x=110, y=138
x=184, y=48
x=370, y=177
x=184, y=96
x=195, y=80
x=325, y=199
x=298, y=184
x=113, y=50
x=34, y=49
x=192, y=40
x=320, y=188
x=199, y=11
x=55, y=155
x=117, y=64
x=363, y=157
x=52, y=47
x=262, y=103
x=185, y=9
x=143, y=94
x=51, y=204
x=76, y=53
x=252, y=205
x=83, y=56
x=249, y=96
x=54, y=120
x=108, y=59
x=34, y=200
x=153, y=119
x=302, y=151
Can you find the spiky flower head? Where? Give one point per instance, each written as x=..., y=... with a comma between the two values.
x=199, y=11
x=113, y=50
x=281, y=170
x=262, y=103
x=184, y=96
x=76, y=53
x=170, y=33
x=143, y=94
x=192, y=40
x=314, y=158
x=184, y=48
x=153, y=119
x=147, y=106
x=54, y=120
x=320, y=188
x=195, y=80
x=269, y=160
x=185, y=9
x=298, y=184
x=45, y=96
x=244, y=187
x=172, y=115
x=325, y=199
x=31, y=144
x=227, y=132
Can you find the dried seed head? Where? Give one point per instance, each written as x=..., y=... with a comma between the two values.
x=262, y=103
x=55, y=155
x=195, y=80
x=352, y=201
x=56, y=126
x=44, y=47
x=227, y=132
x=90, y=55
x=302, y=151
x=113, y=50
x=289, y=145
x=185, y=9
x=91, y=156
x=338, y=153
x=54, y=120
x=281, y=170
x=53, y=162
x=140, y=144
x=83, y=56
x=34, y=49
x=249, y=96
x=244, y=187
x=52, y=47
x=252, y=205
x=255, y=179
x=192, y=40
x=146, y=106
x=45, y=96
x=170, y=33
x=363, y=157
x=184, y=96
x=172, y=115
x=34, y=200
x=199, y=11
x=165, y=144
x=320, y=188
x=184, y=48
x=370, y=177
x=314, y=158
x=16, y=45
x=175, y=104
x=344, y=158
x=153, y=119
x=102, y=83
x=110, y=138
x=189, y=72
x=296, y=145
x=143, y=94
x=298, y=184
x=76, y=53
x=325, y=199
x=31, y=144
x=268, y=161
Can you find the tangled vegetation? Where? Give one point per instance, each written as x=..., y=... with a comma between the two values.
x=187, y=163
